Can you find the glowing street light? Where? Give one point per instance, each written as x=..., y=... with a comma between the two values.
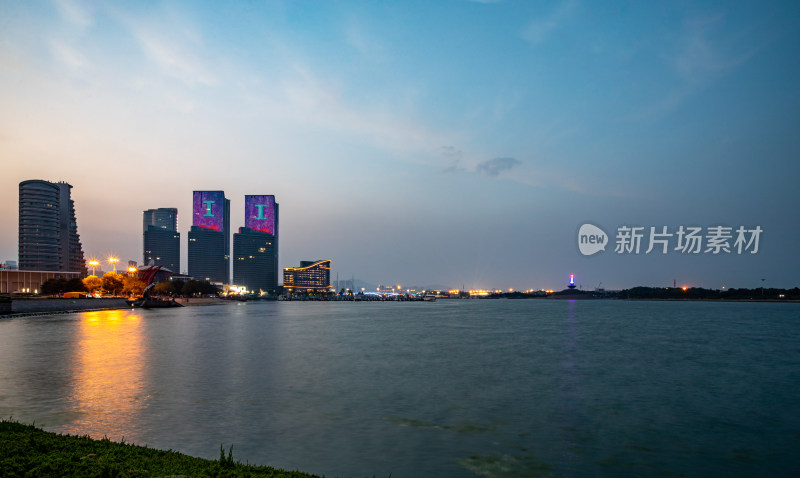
x=132, y=270
x=113, y=261
x=93, y=264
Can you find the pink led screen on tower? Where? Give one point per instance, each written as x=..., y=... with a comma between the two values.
x=259, y=213
x=208, y=209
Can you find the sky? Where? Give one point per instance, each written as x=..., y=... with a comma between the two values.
x=453, y=143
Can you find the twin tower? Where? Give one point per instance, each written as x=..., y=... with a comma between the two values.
x=255, y=246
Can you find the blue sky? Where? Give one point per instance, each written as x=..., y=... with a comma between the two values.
x=451, y=143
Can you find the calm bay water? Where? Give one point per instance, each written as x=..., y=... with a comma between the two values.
x=447, y=389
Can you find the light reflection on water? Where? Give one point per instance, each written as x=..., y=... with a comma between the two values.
x=109, y=377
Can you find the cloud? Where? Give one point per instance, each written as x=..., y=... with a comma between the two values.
x=72, y=12
x=173, y=44
x=538, y=30
x=704, y=51
x=67, y=55
x=493, y=167
x=454, y=155
x=451, y=152
x=363, y=41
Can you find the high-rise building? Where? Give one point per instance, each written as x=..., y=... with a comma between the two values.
x=255, y=260
x=311, y=276
x=163, y=217
x=162, y=241
x=210, y=237
x=255, y=246
x=48, y=231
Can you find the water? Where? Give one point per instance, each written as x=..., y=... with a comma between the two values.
x=445, y=389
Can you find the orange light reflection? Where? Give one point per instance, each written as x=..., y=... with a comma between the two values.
x=110, y=375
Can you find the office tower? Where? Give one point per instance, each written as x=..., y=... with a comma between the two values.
x=255, y=246
x=210, y=237
x=48, y=232
x=254, y=260
x=311, y=276
x=163, y=217
x=162, y=241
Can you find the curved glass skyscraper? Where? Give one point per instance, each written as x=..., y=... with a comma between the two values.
x=48, y=232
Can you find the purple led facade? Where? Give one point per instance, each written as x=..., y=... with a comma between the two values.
x=208, y=208
x=259, y=213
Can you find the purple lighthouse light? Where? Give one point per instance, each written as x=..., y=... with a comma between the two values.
x=571, y=281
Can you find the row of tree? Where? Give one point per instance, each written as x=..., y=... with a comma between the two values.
x=176, y=288
x=705, y=294
x=110, y=283
x=116, y=284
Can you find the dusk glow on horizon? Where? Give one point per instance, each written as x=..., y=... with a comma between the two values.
x=431, y=144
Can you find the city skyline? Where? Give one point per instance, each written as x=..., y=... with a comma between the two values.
x=457, y=144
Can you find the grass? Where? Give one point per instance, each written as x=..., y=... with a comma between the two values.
x=28, y=451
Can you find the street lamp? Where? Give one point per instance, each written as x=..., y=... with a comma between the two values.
x=93, y=264
x=113, y=261
x=132, y=270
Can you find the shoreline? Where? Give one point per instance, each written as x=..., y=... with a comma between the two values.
x=210, y=301
x=30, y=450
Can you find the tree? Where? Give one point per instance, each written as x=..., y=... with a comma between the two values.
x=74, y=285
x=164, y=288
x=53, y=286
x=132, y=285
x=193, y=287
x=92, y=283
x=112, y=283
x=178, y=286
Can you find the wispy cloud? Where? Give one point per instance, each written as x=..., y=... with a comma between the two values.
x=452, y=154
x=174, y=46
x=74, y=13
x=493, y=167
x=539, y=29
x=67, y=55
x=317, y=101
x=703, y=51
x=363, y=41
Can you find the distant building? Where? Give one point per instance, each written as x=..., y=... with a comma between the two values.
x=163, y=217
x=255, y=260
x=210, y=237
x=162, y=241
x=311, y=276
x=9, y=266
x=48, y=231
x=29, y=282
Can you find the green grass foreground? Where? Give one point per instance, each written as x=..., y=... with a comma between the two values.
x=26, y=450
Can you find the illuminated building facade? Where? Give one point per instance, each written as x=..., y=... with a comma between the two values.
x=311, y=276
x=255, y=246
x=210, y=238
x=48, y=231
x=162, y=241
